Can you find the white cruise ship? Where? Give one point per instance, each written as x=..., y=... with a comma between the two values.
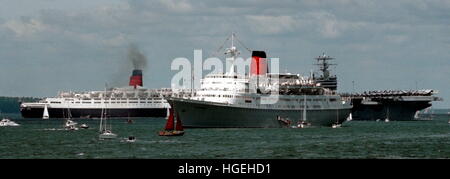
x=230, y=100
x=129, y=101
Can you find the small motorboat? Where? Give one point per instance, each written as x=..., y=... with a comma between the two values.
x=335, y=125
x=284, y=122
x=131, y=139
x=70, y=125
x=129, y=121
x=84, y=126
x=301, y=124
x=170, y=129
x=72, y=128
x=7, y=122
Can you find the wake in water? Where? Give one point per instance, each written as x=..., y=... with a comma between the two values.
x=51, y=129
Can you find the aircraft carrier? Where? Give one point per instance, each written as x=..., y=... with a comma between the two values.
x=394, y=105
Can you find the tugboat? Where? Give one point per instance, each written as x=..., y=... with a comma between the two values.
x=169, y=129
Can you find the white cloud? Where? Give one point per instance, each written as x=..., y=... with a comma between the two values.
x=116, y=41
x=23, y=27
x=272, y=24
x=327, y=24
x=177, y=5
x=396, y=38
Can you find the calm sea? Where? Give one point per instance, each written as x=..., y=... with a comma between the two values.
x=37, y=138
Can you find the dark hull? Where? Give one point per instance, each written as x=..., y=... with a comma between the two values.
x=93, y=113
x=195, y=114
x=394, y=110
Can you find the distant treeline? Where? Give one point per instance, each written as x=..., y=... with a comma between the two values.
x=12, y=104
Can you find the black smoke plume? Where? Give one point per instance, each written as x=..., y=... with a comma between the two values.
x=130, y=59
x=138, y=60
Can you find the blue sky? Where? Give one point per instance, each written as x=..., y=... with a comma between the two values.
x=58, y=45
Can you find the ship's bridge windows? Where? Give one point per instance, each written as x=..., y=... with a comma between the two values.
x=56, y=102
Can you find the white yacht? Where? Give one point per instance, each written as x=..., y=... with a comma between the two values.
x=7, y=122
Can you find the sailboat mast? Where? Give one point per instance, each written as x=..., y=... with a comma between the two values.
x=337, y=116
x=101, y=120
x=106, y=114
x=304, y=107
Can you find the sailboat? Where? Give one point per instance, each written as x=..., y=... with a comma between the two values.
x=302, y=123
x=69, y=124
x=169, y=129
x=387, y=116
x=45, y=115
x=449, y=115
x=336, y=125
x=349, y=118
x=105, y=133
x=416, y=115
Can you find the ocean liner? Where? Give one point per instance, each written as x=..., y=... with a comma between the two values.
x=128, y=101
x=260, y=99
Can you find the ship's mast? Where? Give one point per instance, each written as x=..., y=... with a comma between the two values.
x=324, y=65
x=233, y=52
x=326, y=80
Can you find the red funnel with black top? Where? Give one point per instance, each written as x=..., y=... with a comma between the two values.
x=259, y=63
x=136, y=78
